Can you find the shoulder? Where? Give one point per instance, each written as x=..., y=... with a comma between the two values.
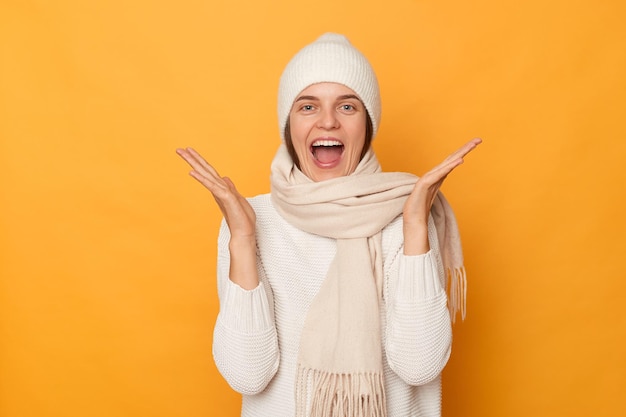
x=263, y=208
x=267, y=218
x=261, y=202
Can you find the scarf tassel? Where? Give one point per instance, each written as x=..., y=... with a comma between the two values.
x=341, y=395
x=457, y=292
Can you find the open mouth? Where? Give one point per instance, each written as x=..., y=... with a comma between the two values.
x=327, y=151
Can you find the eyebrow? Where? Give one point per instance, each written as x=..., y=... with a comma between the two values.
x=343, y=97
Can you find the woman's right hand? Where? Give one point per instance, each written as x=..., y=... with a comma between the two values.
x=236, y=210
x=239, y=216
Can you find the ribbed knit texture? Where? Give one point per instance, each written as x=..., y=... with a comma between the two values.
x=257, y=332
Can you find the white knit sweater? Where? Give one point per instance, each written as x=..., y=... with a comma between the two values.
x=257, y=332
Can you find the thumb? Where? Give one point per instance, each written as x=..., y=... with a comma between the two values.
x=230, y=183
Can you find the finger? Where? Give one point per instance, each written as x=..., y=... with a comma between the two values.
x=464, y=150
x=202, y=162
x=242, y=200
x=209, y=178
x=231, y=186
x=198, y=163
x=223, y=191
x=190, y=159
x=440, y=171
x=213, y=184
x=456, y=158
x=185, y=154
x=230, y=183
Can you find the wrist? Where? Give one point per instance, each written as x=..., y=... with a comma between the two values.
x=242, y=242
x=243, y=270
x=415, y=238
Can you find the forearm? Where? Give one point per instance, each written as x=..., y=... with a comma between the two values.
x=419, y=334
x=243, y=270
x=245, y=345
x=415, y=236
x=419, y=337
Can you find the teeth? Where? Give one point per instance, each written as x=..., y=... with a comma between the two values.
x=327, y=143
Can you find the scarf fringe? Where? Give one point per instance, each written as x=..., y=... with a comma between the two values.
x=457, y=292
x=340, y=395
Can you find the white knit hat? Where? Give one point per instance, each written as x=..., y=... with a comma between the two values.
x=331, y=58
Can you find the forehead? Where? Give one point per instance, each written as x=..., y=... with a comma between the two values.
x=327, y=90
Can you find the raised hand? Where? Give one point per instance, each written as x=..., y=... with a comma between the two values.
x=237, y=212
x=418, y=204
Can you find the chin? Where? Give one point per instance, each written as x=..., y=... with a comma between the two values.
x=327, y=175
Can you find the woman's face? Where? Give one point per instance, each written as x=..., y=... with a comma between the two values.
x=327, y=123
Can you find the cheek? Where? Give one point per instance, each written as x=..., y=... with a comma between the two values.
x=297, y=139
x=298, y=134
x=358, y=132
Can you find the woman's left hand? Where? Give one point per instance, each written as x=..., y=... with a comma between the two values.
x=417, y=206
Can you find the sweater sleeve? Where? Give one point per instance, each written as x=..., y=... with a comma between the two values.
x=245, y=345
x=418, y=332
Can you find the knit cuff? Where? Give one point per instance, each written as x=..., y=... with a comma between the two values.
x=418, y=277
x=245, y=311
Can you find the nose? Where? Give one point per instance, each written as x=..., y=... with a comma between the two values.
x=328, y=119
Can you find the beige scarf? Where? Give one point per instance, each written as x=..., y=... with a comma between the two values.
x=340, y=371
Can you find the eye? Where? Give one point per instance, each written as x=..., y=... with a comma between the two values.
x=307, y=107
x=349, y=107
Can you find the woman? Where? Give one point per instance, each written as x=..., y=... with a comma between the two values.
x=332, y=287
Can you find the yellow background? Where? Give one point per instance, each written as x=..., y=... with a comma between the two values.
x=107, y=246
